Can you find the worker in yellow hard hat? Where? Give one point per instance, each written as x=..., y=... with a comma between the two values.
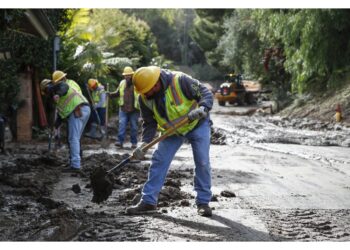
x=72, y=107
x=99, y=102
x=167, y=97
x=59, y=76
x=128, y=108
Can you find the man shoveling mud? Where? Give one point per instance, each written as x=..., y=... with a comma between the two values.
x=71, y=106
x=165, y=98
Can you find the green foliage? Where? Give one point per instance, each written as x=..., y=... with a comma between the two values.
x=162, y=62
x=315, y=41
x=314, y=46
x=27, y=53
x=104, y=35
x=171, y=28
x=207, y=30
x=8, y=85
x=240, y=48
x=205, y=72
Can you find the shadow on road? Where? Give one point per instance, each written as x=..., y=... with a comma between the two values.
x=230, y=231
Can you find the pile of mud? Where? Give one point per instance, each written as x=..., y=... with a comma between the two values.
x=257, y=129
x=305, y=123
x=28, y=211
x=31, y=175
x=132, y=177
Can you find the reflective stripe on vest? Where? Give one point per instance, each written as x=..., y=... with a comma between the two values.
x=74, y=85
x=66, y=104
x=177, y=107
x=122, y=87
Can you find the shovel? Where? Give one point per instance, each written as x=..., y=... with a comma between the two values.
x=102, y=180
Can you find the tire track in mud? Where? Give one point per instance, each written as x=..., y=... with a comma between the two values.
x=108, y=227
x=307, y=224
x=303, y=224
x=294, y=224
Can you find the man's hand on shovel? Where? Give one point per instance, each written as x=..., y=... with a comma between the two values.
x=198, y=113
x=138, y=153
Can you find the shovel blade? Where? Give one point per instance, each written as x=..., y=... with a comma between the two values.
x=101, y=184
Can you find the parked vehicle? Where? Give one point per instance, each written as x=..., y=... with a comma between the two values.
x=238, y=91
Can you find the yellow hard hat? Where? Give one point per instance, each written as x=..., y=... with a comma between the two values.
x=57, y=75
x=128, y=71
x=145, y=78
x=43, y=85
x=92, y=83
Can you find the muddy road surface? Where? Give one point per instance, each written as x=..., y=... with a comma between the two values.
x=273, y=179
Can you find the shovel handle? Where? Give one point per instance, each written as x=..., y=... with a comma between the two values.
x=121, y=164
x=166, y=133
x=155, y=141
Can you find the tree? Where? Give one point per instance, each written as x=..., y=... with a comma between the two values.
x=207, y=30
x=101, y=33
x=315, y=42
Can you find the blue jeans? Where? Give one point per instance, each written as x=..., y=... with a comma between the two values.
x=101, y=114
x=164, y=154
x=124, y=118
x=76, y=126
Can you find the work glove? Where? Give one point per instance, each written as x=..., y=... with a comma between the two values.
x=138, y=153
x=56, y=98
x=198, y=113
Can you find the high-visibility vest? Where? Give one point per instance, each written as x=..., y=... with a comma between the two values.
x=177, y=107
x=96, y=94
x=74, y=85
x=122, y=87
x=67, y=103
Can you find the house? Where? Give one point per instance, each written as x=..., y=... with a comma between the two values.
x=33, y=23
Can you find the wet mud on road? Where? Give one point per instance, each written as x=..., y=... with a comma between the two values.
x=273, y=179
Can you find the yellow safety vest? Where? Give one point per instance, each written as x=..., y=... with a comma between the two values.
x=66, y=104
x=96, y=95
x=122, y=87
x=74, y=85
x=177, y=107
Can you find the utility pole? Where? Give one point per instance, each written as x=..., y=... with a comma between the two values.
x=56, y=49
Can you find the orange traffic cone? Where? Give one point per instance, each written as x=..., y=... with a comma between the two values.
x=338, y=115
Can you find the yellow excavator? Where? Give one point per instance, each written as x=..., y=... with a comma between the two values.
x=235, y=90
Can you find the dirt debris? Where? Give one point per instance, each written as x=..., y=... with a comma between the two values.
x=76, y=188
x=227, y=194
x=218, y=136
x=28, y=211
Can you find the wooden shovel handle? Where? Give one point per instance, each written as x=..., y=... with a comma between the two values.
x=155, y=141
x=166, y=133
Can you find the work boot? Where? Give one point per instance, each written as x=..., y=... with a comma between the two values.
x=93, y=133
x=133, y=146
x=141, y=208
x=119, y=145
x=74, y=171
x=204, y=210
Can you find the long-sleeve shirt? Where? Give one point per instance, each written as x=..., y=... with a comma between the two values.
x=102, y=101
x=128, y=102
x=191, y=88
